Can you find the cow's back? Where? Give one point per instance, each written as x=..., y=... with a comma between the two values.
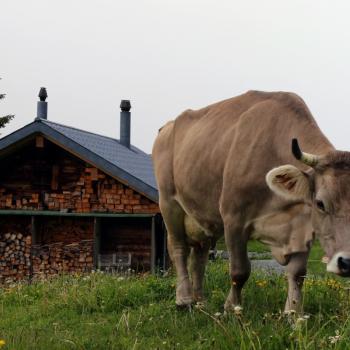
x=225, y=150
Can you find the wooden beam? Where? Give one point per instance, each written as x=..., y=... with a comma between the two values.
x=39, y=141
x=153, y=245
x=97, y=240
x=165, y=244
x=54, y=178
x=60, y=213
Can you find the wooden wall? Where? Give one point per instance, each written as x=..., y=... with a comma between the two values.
x=128, y=235
x=64, y=229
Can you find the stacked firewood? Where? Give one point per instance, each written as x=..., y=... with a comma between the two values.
x=14, y=256
x=92, y=191
x=59, y=257
x=27, y=200
x=16, y=262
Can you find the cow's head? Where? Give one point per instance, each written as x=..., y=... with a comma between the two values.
x=325, y=186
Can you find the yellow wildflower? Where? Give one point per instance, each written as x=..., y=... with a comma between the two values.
x=2, y=343
x=261, y=283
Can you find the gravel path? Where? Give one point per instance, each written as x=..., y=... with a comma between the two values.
x=259, y=261
x=267, y=265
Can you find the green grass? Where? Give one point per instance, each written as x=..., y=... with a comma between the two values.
x=257, y=247
x=315, y=266
x=253, y=246
x=100, y=311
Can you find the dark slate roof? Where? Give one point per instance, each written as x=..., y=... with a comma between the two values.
x=131, y=166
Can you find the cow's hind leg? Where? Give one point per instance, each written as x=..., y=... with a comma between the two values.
x=296, y=271
x=236, y=243
x=179, y=249
x=198, y=259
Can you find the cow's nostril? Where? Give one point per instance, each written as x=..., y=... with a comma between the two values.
x=344, y=265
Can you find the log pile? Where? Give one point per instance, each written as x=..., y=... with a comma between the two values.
x=14, y=256
x=92, y=191
x=16, y=262
x=27, y=200
x=56, y=258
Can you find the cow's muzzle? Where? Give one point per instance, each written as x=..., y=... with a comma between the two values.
x=344, y=266
x=340, y=264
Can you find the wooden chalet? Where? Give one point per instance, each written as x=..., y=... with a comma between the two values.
x=73, y=201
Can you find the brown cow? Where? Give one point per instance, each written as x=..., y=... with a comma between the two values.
x=213, y=168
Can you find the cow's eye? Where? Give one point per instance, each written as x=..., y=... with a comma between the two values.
x=320, y=205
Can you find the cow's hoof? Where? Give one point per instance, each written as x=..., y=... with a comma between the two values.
x=184, y=300
x=184, y=307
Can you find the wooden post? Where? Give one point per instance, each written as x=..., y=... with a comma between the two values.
x=153, y=245
x=97, y=240
x=33, y=232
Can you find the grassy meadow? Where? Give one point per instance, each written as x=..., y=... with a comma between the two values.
x=101, y=311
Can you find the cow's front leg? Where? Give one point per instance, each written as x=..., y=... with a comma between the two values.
x=239, y=265
x=296, y=271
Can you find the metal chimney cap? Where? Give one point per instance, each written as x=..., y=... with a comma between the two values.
x=125, y=105
x=42, y=94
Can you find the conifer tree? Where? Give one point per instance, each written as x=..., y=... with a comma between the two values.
x=6, y=118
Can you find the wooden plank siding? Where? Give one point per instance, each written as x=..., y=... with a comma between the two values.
x=128, y=235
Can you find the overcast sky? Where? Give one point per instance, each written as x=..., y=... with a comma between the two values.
x=167, y=56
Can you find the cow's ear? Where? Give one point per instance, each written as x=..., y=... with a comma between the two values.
x=289, y=182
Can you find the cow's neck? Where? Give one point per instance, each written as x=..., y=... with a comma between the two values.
x=285, y=230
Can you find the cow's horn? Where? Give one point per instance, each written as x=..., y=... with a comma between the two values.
x=307, y=158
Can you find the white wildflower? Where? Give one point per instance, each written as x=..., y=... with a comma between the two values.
x=325, y=259
x=238, y=310
x=217, y=314
x=300, y=320
x=199, y=305
x=289, y=312
x=334, y=339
